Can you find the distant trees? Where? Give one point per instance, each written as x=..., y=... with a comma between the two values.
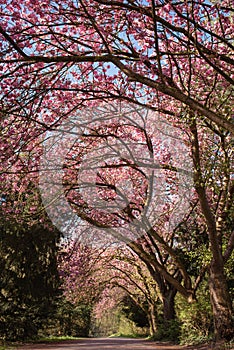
x=80, y=272
x=124, y=270
x=106, y=277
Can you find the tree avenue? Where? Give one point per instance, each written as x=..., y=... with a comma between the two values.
x=173, y=58
x=138, y=193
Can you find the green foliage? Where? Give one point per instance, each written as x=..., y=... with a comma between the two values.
x=107, y=324
x=196, y=318
x=69, y=320
x=114, y=323
x=193, y=246
x=168, y=332
x=29, y=282
x=128, y=335
x=76, y=320
x=134, y=312
x=229, y=271
x=128, y=328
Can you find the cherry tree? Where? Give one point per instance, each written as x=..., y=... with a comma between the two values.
x=213, y=178
x=175, y=58
x=124, y=176
x=102, y=277
x=125, y=271
x=146, y=217
x=78, y=269
x=166, y=55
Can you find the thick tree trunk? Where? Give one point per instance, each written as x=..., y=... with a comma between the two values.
x=169, y=305
x=221, y=304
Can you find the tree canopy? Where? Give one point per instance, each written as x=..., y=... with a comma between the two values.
x=173, y=58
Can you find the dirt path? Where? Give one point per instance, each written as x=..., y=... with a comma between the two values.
x=109, y=344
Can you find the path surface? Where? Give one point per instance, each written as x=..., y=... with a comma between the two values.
x=108, y=344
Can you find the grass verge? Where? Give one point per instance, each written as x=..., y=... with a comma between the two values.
x=133, y=336
x=13, y=346
x=54, y=339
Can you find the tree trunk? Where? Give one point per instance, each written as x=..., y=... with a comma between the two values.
x=221, y=304
x=169, y=305
x=152, y=319
x=219, y=295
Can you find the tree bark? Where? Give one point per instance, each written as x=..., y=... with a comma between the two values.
x=219, y=294
x=221, y=304
x=152, y=319
x=169, y=305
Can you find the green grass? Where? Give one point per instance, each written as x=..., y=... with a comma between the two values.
x=13, y=346
x=53, y=339
x=133, y=336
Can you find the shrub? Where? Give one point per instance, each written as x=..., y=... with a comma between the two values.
x=196, y=318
